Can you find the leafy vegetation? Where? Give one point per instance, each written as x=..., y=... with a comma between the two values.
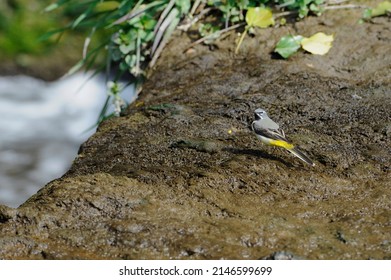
x=20, y=29
x=305, y=6
x=138, y=30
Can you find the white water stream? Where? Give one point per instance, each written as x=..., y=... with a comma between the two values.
x=41, y=128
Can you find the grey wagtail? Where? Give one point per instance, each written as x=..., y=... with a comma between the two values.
x=270, y=133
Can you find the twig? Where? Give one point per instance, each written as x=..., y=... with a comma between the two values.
x=163, y=15
x=185, y=27
x=138, y=54
x=283, y=14
x=336, y=2
x=242, y=38
x=160, y=31
x=133, y=13
x=347, y=6
x=167, y=27
x=285, y=4
x=336, y=7
x=215, y=34
x=194, y=7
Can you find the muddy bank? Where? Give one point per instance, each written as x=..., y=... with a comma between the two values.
x=181, y=175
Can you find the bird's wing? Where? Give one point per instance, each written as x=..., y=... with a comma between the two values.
x=275, y=134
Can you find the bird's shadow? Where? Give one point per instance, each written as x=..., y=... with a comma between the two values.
x=257, y=153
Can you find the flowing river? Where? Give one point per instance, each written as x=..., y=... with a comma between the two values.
x=41, y=128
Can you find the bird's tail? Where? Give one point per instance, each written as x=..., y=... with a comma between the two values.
x=301, y=155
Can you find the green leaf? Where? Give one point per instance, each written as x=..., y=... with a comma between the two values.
x=75, y=68
x=54, y=6
x=149, y=24
x=303, y=12
x=127, y=48
x=259, y=17
x=123, y=66
x=288, y=45
x=85, y=15
x=49, y=34
x=367, y=14
x=149, y=37
x=142, y=34
x=79, y=19
x=51, y=7
x=183, y=5
x=116, y=54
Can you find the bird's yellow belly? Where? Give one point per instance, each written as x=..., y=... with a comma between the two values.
x=278, y=143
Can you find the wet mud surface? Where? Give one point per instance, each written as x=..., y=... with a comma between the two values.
x=182, y=176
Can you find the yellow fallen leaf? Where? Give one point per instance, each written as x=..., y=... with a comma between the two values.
x=259, y=17
x=319, y=43
x=381, y=9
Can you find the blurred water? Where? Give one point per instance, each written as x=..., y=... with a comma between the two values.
x=41, y=128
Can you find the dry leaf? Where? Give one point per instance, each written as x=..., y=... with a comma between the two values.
x=319, y=43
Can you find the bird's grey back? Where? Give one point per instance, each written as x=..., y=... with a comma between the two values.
x=266, y=123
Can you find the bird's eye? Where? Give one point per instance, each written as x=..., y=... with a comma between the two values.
x=259, y=114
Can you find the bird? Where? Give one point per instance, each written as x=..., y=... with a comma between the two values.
x=270, y=133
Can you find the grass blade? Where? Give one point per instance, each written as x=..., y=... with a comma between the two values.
x=163, y=27
x=168, y=26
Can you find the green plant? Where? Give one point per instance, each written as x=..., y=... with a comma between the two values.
x=137, y=31
x=233, y=11
x=20, y=29
x=303, y=6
